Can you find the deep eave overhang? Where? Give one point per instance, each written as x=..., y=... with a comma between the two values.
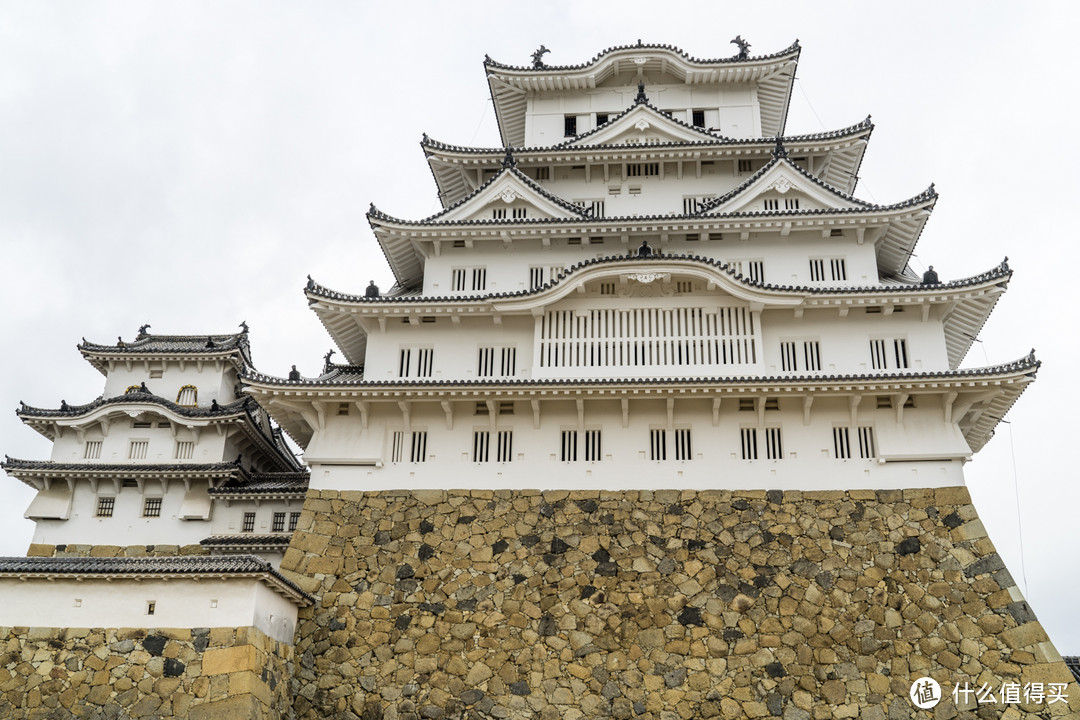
x=988, y=393
x=844, y=149
x=232, y=349
x=968, y=301
x=774, y=75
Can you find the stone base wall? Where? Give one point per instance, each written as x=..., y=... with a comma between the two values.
x=39, y=550
x=662, y=605
x=102, y=674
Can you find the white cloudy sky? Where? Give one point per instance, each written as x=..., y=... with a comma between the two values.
x=188, y=163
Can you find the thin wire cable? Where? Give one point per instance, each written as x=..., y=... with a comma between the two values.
x=1019, y=523
x=809, y=104
x=437, y=204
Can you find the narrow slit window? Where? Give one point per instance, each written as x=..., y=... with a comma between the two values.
x=397, y=442
x=683, y=448
x=866, y=442
x=568, y=446
x=791, y=203
x=772, y=204
x=841, y=443
x=657, y=444
x=497, y=214
x=505, y=449
x=536, y=277
x=749, y=443
x=569, y=125
x=774, y=444
x=593, y=448
x=519, y=213
x=93, y=450
x=481, y=446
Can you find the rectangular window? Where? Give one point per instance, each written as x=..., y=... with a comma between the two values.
x=404, y=362
x=692, y=204
x=568, y=446
x=772, y=204
x=457, y=279
x=791, y=359
x=543, y=173
x=185, y=449
x=838, y=269
x=752, y=270
x=683, y=449
x=93, y=450
x=607, y=288
x=866, y=442
x=601, y=118
x=137, y=450
x=791, y=203
x=657, y=445
x=745, y=166
x=817, y=270
x=595, y=208
x=422, y=367
x=593, y=448
x=418, y=451
x=822, y=269
x=498, y=213
x=774, y=446
x=249, y=522
x=294, y=519
x=279, y=522
x=105, y=506
x=397, y=443
x=536, y=277
x=152, y=507
x=569, y=125
x=504, y=453
x=749, y=443
x=889, y=354
x=697, y=118
x=519, y=213
x=496, y=362
x=841, y=439
x=479, y=279
x=481, y=446
x=555, y=272
x=682, y=286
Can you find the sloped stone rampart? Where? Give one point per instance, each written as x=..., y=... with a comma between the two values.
x=104, y=674
x=665, y=605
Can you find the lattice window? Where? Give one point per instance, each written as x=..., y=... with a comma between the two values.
x=543, y=173
x=889, y=354
x=642, y=169
x=841, y=443
x=648, y=337
x=752, y=270
x=684, y=450
x=188, y=396
x=867, y=449
x=397, y=444
x=105, y=506
x=691, y=204
x=748, y=437
x=152, y=507
x=536, y=277
x=418, y=451
x=595, y=208
x=496, y=362
x=519, y=213
x=697, y=118
x=822, y=269
x=601, y=118
x=774, y=444
x=791, y=203
x=137, y=449
x=504, y=451
x=593, y=448
x=607, y=288
x=568, y=445
x=746, y=166
x=481, y=446
x=657, y=444
x=279, y=522
x=416, y=362
x=249, y=523
x=92, y=450
x=772, y=204
x=569, y=125
x=805, y=355
x=497, y=214
x=294, y=520
x=185, y=449
x=555, y=272
x=838, y=269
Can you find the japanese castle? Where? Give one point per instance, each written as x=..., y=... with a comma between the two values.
x=655, y=394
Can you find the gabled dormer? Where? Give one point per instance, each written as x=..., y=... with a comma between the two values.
x=642, y=124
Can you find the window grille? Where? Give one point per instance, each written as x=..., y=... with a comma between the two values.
x=543, y=173
x=519, y=213
x=152, y=507
x=424, y=365
x=682, y=286
x=657, y=445
x=607, y=288
x=573, y=241
x=93, y=450
x=397, y=443
x=866, y=442
x=889, y=354
x=481, y=446
x=457, y=280
x=496, y=362
x=792, y=360
x=752, y=270
x=568, y=446
x=279, y=522
x=294, y=520
x=418, y=452
x=648, y=337
x=697, y=118
x=747, y=405
x=601, y=118
x=691, y=205
x=498, y=213
x=569, y=125
x=188, y=396
x=791, y=203
x=555, y=272
x=841, y=443
x=593, y=448
x=774, y=447
x=772, y=204
x=838, y=269
x=479, y=279
x=504, y=453
x=343, y=409
x=749, y=443
x=683, y=449
x=185, y=449
x=595, y=208
x=459, y=243
x=105, y=507
x=745, y=166
x=404, y=362
x=817, y=269
x=141, y=425
x=137, y=450
x=642, y=169
x=536, y=277
x=249, y=522
x=151, y=607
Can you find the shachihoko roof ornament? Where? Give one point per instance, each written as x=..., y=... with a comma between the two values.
x=538, y=57
x=744, y=48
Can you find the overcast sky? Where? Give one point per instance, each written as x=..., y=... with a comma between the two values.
x=187, y=164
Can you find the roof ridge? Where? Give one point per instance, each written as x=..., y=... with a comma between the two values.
x=793, y=48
